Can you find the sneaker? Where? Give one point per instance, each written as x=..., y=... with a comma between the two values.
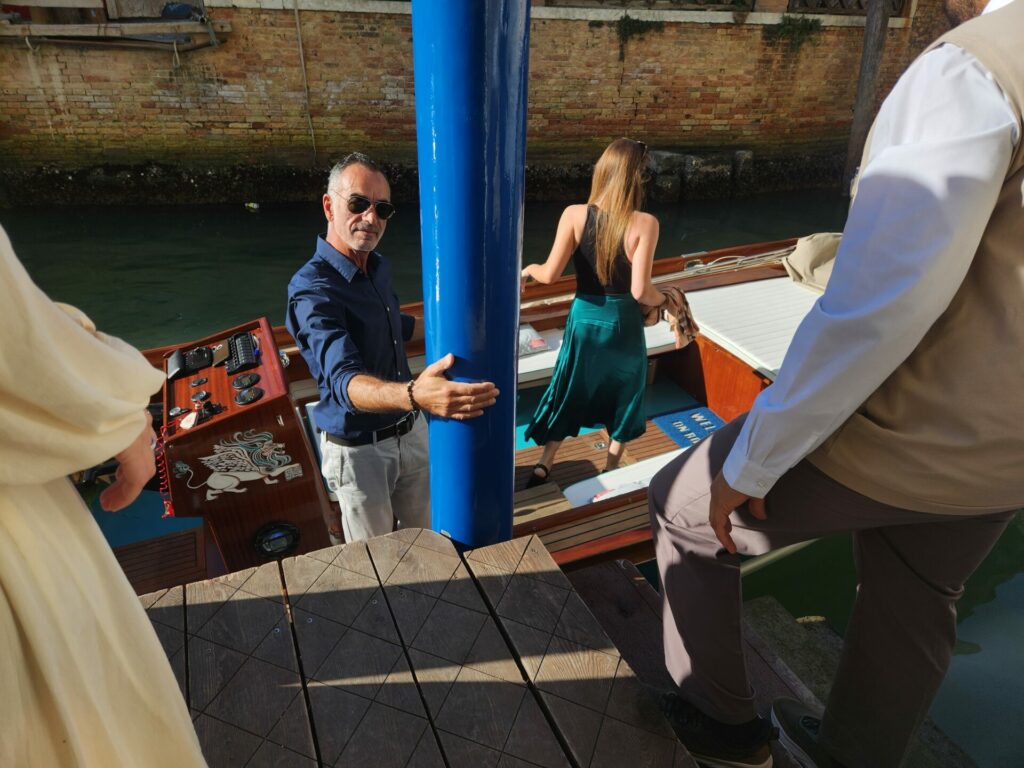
x=714, y=744
x=798, y=727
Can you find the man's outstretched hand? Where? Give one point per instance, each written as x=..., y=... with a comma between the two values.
x=449, y=399
x=723, y=501
x=136, y=466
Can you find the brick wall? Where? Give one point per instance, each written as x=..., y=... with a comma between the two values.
x=688, y=85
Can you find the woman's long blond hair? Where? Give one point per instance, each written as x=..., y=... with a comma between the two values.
x=618, y=185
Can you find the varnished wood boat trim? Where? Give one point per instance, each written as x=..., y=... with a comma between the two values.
x=603, y=549
x=175, y=558
x=581, y=513
x=595, y=528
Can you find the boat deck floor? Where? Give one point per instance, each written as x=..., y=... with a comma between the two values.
x=545, y=510
x=584, y=456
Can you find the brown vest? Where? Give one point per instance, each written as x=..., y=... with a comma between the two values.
x=945, y=432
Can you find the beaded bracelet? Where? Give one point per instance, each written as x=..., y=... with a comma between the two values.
x=413, y=405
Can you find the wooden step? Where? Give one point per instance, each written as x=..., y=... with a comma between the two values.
x=578, y=537
x=811, y=649
x=632, y=517
x=531, y=505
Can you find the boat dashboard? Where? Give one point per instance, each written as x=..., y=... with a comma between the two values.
x=235, y=450
x=216, y=379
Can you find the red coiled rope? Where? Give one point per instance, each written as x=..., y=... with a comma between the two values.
x=162, y=471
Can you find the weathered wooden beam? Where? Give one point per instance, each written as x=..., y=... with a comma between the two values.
x=112, y=30
x=586, y=690
x=62, y=3
x=244, y=685
x=875, y=29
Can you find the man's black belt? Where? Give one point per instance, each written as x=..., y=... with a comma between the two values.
x=399, y=428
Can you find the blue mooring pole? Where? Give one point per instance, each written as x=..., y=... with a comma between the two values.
x=470, y=62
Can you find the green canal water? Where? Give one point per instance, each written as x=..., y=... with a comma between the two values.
x=161, y=275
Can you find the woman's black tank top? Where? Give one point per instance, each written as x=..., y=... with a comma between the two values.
x=584, y=261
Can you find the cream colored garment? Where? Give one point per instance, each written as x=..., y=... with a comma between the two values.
x=811, y=261
x=83, y=679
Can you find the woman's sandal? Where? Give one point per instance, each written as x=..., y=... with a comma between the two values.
x=536, y=479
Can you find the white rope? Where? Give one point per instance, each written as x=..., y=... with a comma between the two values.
x=725, y=263
x=696, y=267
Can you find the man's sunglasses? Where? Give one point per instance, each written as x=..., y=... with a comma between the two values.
x=360, y=204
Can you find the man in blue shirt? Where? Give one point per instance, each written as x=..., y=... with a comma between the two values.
x=346, y=320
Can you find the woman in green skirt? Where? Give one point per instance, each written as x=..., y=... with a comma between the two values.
x=600, y=374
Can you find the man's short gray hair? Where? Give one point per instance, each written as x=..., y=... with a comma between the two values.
x=353, y=158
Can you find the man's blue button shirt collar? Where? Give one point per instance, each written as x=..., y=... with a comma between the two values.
x=345, y=266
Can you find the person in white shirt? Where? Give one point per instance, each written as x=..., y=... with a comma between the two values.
x=943, y=160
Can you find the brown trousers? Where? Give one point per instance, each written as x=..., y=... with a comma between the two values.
x=911, y=568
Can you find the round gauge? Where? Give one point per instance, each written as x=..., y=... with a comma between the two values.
x=245, y=381
x=202, y=394
x=250, y=395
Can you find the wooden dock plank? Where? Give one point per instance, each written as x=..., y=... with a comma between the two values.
x=624, y=616
x=223, y=744
x=274, y=756
x=481, y=709
x=385, y=737
x=365, y=707
x=400, y=653
x=583, y=684
x=166, y=611
x=243, y=701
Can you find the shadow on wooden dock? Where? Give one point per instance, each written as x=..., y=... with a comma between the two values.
x=400, y=652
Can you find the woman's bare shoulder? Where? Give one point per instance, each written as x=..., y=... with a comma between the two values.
x=643, y=222
x=575, y=216
x=576, y=211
